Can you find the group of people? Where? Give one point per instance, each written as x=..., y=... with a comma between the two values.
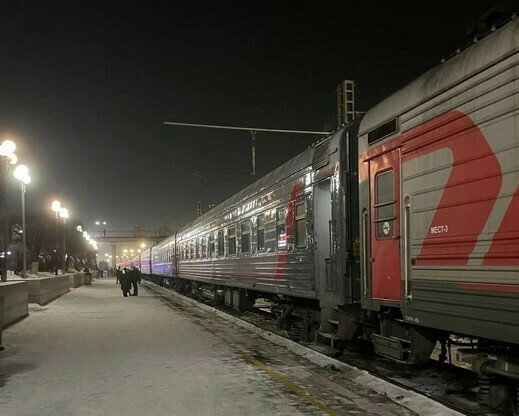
x=128, y=278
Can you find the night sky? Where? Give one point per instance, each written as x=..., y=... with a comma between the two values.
x=85, y=87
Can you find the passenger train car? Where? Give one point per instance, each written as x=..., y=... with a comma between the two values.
x=401, y=228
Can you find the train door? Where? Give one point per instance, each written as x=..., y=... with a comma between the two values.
x=384, y=172
x=322, y=207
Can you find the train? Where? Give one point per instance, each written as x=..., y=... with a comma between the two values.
x=400, y=228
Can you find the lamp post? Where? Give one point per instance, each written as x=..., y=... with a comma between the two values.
x=7, y=149
x=22, y=174
x=102, y=230
x=63, y=213
x=56, y=207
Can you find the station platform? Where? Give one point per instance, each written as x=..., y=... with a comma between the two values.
x=95, y=352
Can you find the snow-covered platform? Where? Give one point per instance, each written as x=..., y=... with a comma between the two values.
x=95, y=352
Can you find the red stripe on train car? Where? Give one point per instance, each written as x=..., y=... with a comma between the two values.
x=490, y=287
x=289, y=229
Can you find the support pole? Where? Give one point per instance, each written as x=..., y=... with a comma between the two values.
x=64, y=249
x=253, y=137
x=252, y=130
x=113, y=246
x=24, y=232
x=6, y=217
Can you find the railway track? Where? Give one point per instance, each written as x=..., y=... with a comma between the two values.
x=453, y=387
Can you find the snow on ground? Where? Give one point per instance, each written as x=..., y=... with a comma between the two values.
x=94, y=352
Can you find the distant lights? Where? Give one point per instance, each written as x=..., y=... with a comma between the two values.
x=63, y=213
x=7, y=149
x=22, y=174
x=56, y=206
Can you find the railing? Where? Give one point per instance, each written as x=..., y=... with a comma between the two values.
x=130, y=233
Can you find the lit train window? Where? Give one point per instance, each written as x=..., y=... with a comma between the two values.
x=261, y=233
x=245, y=237
x=221, y=250
x=204, y=248
x=232, y=240
x=300, y=225
x=385, y=204
x=280, y=229
x=211, y=247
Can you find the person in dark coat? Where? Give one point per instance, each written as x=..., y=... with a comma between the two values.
x=134, y=278
x=118, y=275
x=125, y=282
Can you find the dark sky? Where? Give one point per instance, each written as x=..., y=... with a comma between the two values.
x=85, y=87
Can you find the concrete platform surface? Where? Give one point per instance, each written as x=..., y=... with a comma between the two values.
x=94, y=352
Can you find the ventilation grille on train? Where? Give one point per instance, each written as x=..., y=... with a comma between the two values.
x=320, y=156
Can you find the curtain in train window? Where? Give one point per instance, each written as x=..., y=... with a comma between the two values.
x=300, y=225
x=221, y=250
x=245, y=237
x=232, y=240
x=261, y=233
x=211, y=247
x=385, y=204
x=280, y=229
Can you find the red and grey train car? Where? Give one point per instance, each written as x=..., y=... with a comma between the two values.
x=402, y=228
x=285, y=238
x=439, y=207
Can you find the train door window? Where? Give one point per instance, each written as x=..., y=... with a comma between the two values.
x=385, y=204
x=210, y=243
x=280, y=229
x=232, y=240
x=261, y=233
x=221, y=250
x=300, y=220
x=204, y=248
x=245, y=237
x=197, y=249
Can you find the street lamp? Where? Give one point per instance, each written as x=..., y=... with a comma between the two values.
x=102, y=231
x=63, y=213
x=7, y=149
x=56, y=207
x=22, y=174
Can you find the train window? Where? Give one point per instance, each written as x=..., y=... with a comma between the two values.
x=245, y=237
x=204, y=248
x=385, y=204
x=191, y=251
x=232, y=240
x=210, y=243
x=261, y=233
x=280, y=229
x=221, y=250
x=197, y=249
x=300, y=220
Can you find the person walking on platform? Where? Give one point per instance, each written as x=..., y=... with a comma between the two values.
x=118, y=275
x=134, y=278
x=125, y=282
